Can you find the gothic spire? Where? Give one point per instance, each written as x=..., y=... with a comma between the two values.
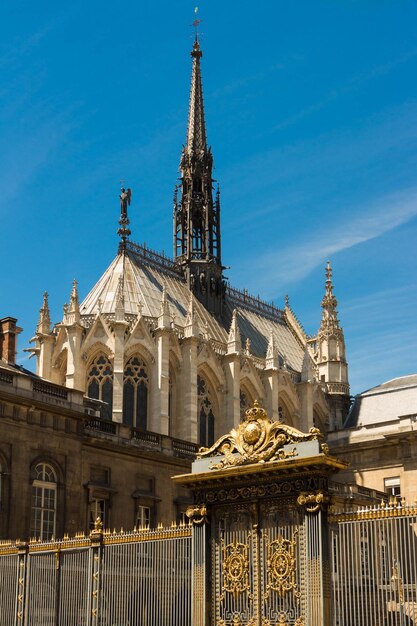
x=191, y=324
x=164, y=318
x=271, y=361
x=196, y=129
x=120, y=300
x=44, y=324
x=329, y=320
x=234, y=344
x=330, y=356
x=74, y=305
x=196, y=212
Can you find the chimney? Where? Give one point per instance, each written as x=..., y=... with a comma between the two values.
x=8, y=339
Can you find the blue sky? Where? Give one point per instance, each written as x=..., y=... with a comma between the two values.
x=311, y=111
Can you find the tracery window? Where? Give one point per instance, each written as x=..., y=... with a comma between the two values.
x=43, y=505
x=205, y=414
x=100, y=383
x=135, y=393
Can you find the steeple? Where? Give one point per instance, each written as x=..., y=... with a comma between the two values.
x=196, y=213
x=329, y=321
x=330, y=355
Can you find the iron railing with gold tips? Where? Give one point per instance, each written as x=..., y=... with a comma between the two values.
x=108, y=578
x=374, y=565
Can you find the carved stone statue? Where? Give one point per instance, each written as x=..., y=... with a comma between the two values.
x=125, y=197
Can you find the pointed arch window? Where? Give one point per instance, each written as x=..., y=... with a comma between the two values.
x=206, y=417
x=245, y=402
x=100, y=383
x=135, y=393
x=44, y=500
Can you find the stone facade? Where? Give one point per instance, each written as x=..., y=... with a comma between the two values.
x=165, y=355
x=379, y=439
x=172, y=347
x=61, y=465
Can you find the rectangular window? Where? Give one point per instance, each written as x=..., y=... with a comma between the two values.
x=143, y=516
x=98, y=508
x=43, y=511
x=392, y=487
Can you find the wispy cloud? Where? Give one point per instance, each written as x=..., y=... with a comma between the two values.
x=350, y=85
x=291, y=264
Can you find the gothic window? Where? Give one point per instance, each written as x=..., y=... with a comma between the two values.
x=135, y=393
x=43, y=505
x=245, y=402
x=205, y=414
x=100, y=383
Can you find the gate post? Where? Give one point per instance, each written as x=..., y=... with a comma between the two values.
x=317, y=553
x=264, y=489
x=22, y=548
x=199, y=595
x=96, y=538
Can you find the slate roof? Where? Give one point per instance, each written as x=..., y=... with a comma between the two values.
x=384, y=403
x=145, y=274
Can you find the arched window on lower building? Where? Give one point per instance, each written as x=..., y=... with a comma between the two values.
x=206, y=416
x=100, y=383
x=44, y=502
x=135, y=393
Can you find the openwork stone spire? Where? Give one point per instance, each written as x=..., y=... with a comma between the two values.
x=196, y=212
x=329, y=321
x=330, y=356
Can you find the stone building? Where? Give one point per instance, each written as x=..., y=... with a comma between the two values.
x=379, y=439
x=171, y=347
x=162, y=355
x=61, y=465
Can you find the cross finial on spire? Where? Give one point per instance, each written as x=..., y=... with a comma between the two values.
x=329, y=272
x=196, y=23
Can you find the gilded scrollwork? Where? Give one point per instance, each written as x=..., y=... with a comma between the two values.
x=257, y=440
x=235, y=568
x=197, y=514
x=282, y=566
x=313, y=502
